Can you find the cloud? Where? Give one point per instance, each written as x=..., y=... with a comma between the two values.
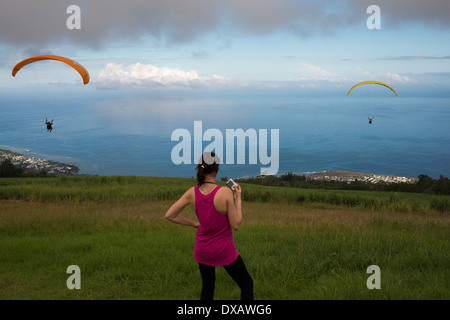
x=309, y=72
x=386, y=76
x=398, y=78
x=43, y=22
x=417, y=58
x=433, y=13
x=147, y=76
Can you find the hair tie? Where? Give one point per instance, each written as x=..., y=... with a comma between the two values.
x=203, y=166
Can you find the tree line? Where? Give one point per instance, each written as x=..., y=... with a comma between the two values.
x=425, y=184
x=9, y=170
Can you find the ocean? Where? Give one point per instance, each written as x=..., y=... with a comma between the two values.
x=130, y=132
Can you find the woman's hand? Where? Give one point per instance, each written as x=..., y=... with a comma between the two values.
x=173, y=214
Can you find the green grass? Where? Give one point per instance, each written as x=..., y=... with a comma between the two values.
x=113, y=229
x=98, y=188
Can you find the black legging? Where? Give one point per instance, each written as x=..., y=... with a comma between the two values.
x=236, y=270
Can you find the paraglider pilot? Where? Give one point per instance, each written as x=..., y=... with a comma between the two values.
x=49, y=125
x=370, y=120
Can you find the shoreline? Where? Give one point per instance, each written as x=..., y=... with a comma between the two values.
x=349, y=176
x=36, y=165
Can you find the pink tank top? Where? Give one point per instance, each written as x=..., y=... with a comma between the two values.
x=214, y=244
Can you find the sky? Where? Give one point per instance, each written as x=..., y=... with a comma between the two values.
x=311, y=46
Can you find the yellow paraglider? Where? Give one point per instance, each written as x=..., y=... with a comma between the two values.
x=372, y=82
x=81, y=70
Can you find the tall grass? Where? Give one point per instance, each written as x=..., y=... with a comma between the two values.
x=93, y=188
x=297, y=243
x=83, y=188
x=126, y=250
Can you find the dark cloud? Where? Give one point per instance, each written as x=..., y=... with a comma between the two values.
x=401, y=12
x=417, y=58
x=43, y=22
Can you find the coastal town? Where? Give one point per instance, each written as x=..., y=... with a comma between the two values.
x=347, y=176
x=35, y=165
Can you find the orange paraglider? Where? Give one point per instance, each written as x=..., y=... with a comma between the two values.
x=81, y=70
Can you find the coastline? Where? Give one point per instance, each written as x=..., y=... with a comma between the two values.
x=36, y=165
x=348, y=176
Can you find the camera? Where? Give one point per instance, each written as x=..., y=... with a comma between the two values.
x=231, y=184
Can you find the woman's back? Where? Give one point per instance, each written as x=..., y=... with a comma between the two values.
x=214, y=243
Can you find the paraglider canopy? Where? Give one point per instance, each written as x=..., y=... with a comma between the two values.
x=372, y=82
x=368, y=92
x=81, y=70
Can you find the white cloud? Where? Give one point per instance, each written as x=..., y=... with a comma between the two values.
x=398, y=78
x=386, y=76
x=115, y=76
x=147, y=76
x=309, y=72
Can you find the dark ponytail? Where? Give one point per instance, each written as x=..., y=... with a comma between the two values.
x=207, y=164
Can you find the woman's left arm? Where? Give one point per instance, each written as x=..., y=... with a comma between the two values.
x=173, y=214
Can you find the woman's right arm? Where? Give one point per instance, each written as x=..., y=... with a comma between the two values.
x=234, y=209
x=173, y=214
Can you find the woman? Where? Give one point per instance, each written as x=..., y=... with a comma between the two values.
x=218, y=211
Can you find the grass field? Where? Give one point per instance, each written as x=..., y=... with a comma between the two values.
x=296, y=243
